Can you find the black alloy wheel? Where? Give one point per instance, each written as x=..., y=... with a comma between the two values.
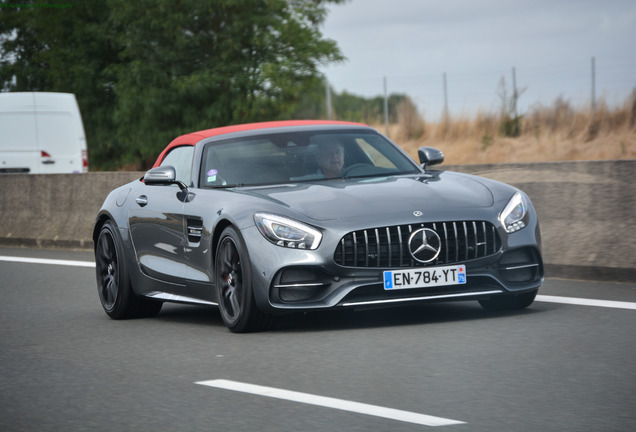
x=113, y=281
x=107, y=267
x=231, y=282
x=234, y=285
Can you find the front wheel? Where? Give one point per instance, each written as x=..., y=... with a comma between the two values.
x=234, y=285
x=509, y=302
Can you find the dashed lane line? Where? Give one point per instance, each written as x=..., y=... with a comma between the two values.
x=328, y=402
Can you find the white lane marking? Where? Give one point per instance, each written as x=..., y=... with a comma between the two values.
x=48, y=261
x=587, y=302
x=340, y=404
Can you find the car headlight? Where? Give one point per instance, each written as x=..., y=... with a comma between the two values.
x=515, y=215
x=287, y=232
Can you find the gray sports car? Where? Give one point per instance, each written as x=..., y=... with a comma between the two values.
x=260, y=219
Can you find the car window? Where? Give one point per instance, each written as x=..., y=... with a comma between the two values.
x=374, y=155
x=181, y=159
x=296, y=156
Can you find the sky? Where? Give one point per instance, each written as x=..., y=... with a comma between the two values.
x=475, y=43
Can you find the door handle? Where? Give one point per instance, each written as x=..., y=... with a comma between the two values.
x=142, y=200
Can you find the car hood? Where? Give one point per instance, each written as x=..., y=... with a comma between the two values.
x=339, y=199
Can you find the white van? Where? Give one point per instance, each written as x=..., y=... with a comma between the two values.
x=41, y=133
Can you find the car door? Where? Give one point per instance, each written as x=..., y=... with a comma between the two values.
x=157, y=223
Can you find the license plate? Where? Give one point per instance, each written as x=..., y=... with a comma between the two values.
x=425, y=277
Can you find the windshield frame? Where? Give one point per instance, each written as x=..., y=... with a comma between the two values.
x=294, y=145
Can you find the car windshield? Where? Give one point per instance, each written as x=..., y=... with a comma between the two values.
x=301, y=157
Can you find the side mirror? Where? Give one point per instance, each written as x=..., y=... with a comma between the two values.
x=430, y=156
x=164, y=175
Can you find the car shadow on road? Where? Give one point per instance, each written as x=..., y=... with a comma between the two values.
x=348, y=319
x=190, y=314
x=433, y=313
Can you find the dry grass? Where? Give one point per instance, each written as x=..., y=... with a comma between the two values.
x=553, y=133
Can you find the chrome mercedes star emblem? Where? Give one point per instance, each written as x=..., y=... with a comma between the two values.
x=424, y=245
x=417, y=213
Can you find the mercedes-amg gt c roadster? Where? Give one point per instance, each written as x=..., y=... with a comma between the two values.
x=266, y=218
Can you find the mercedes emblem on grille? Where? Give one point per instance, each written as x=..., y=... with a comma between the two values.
x=424, y=245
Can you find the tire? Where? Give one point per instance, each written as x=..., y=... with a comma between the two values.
x=509, y=302
x=113, y=281
x=234, y=285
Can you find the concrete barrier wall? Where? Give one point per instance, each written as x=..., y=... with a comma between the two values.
x=587, y=211
x=54, y=210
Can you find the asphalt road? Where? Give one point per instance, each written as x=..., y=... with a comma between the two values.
x=66, y=366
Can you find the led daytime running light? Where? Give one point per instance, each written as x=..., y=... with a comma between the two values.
x=514, y=215
x=287, y=232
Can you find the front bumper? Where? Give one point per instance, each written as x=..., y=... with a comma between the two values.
x=321, y=287
x=286, y=280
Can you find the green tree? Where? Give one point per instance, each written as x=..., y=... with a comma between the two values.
x=149, y=70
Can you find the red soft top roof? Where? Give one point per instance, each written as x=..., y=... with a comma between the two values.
x=194, y=137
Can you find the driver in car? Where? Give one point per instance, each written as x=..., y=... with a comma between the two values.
x=330, y=159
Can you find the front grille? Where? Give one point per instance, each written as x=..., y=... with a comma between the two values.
x=388, y=246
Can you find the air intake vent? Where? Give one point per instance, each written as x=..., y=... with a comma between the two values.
x=388, y=246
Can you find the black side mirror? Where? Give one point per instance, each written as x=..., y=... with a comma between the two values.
x=164, y=175
x=430, y=156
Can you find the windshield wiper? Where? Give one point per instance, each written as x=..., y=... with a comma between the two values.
x=227, y=186
x=387, y=174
